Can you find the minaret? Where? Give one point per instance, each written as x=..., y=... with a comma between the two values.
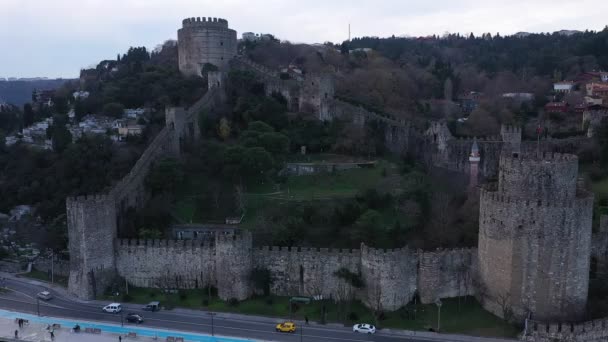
x=474, y=169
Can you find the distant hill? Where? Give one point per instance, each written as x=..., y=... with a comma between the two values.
x=18, y=92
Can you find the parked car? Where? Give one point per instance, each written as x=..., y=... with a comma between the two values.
x=152, y=306
x=44, y=295
x=134, y=318
x=112, y=308
x=364, y=328
x=286, y=327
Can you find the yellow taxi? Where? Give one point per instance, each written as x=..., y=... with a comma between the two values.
x=286, y=327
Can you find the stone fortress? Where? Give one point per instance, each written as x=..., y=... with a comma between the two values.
x=205, y=41
x=533, y=257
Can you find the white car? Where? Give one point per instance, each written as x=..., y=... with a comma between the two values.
x=112, y=308
x=364, y=328
x=44, y=295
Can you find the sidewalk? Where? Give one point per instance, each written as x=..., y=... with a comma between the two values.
x=35, y=332
x=431, y=336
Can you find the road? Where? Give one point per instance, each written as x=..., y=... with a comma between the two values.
x=22, y=298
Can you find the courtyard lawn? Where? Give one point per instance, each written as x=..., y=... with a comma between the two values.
x=470, y=319
x=40, y=275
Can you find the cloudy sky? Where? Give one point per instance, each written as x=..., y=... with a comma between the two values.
x=56, y=38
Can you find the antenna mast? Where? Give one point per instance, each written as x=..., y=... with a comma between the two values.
x=349, y=32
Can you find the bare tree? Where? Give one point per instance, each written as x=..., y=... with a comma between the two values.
x=504, y=300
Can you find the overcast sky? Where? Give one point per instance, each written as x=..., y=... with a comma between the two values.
x=56, y=38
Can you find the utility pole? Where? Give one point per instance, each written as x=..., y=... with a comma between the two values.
x=438, y=303
x=301, y=329
x=211, y=314
x=52, y=266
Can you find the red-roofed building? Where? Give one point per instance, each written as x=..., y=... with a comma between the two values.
x=556, y=107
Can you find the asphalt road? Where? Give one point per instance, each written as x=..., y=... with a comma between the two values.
x=22, y=298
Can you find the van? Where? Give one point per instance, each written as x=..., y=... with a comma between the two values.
x=44, y=295
x=112, y=308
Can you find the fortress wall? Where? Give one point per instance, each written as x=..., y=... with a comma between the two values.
x=590, y=331
x=306, y=271
x=129, y=191
x=390, y=277
x=166, y=263
x=446, y=273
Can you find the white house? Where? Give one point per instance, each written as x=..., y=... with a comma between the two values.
x=563, y=87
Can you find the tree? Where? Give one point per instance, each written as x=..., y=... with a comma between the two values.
x=366, y=227
x=114, y=110
x=164, y=177
x=61, y=138
x=28, y=115
x=223, y=129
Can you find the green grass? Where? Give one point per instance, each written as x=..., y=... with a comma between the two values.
x=469, y=319
x=40, y=275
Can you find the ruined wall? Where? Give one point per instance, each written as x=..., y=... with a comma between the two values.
x=205, y=40
x=306, y=271
x=534, y=248
x=446, y=273
x=599, y=250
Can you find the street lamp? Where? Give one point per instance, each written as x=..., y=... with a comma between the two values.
x=121, y=320
x=38, y=306
x=438, y=303
x=211, y=314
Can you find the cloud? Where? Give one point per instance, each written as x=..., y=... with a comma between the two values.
x=57, y=38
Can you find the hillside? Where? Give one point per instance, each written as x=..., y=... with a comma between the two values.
x=20, y=92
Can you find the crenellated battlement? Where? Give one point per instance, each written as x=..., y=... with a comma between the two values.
x=306, y=250
x=587, y=331
x=510, y=129
x=204, y=22
x=87, y=199
x=536, y=158
x=164, y=243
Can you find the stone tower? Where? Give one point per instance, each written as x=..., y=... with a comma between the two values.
x=92, y=230
x=511, y=136
x=205, y=40
x=534, y=239
x=474, y=166
x=234, y=263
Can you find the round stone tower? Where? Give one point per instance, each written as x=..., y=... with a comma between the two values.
x=205, y=41
x=535, y=239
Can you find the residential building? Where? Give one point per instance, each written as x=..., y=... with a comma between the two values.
x=556, y=107
x=469, y=101
x=563, y=87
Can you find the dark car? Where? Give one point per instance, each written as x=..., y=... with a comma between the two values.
x=134, y=318
x=152, y=306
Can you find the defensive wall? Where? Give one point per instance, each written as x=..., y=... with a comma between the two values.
x=391, y=277
x=590, y=331
x=95, y=220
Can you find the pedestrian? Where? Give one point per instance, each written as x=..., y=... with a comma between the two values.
x=119, y=338
x=16, y=334
x=52, y=335
x=20, y=323
x=306, y=319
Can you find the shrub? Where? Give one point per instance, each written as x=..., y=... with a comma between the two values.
x=152, y=294
x=352, y=316
x=205, y=302
x=183, y=295
x=269, y=301
x=127, y=298
x=233, y=302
